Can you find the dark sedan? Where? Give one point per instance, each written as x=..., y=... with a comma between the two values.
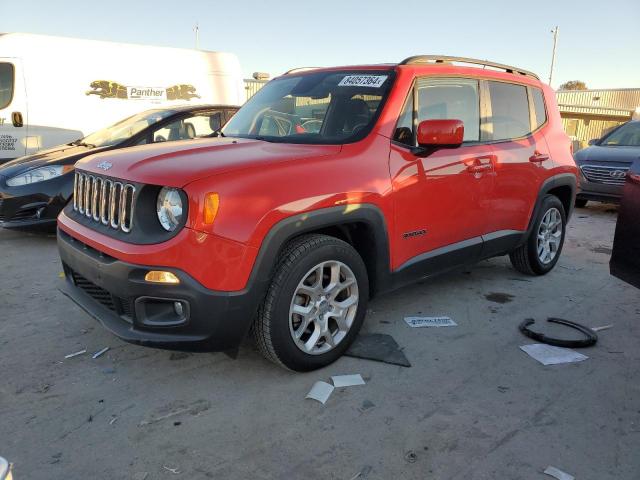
x=34, y=189
x=605, y=163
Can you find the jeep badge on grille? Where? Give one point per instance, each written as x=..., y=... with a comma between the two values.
x=105, y=165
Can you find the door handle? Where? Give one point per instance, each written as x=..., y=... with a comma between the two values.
x=538, y=157
x=483, y=167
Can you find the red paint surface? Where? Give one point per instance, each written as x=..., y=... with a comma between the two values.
x=454, y=194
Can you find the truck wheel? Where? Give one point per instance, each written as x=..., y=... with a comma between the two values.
x=315, y=304
x=539, y=254
x=581, y=203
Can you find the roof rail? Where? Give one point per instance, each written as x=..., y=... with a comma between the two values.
x=440, y=59
x=300, y=69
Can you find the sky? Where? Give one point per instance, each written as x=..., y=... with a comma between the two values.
x=598, y=40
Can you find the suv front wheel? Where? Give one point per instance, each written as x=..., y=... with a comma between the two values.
x=315, y=304
x=540, y=253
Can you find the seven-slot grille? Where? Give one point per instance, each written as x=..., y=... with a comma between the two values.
x=606, y=175
x=103, y=200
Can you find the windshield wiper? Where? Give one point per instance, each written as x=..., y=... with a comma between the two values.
x=80, y=143
x=218, y=133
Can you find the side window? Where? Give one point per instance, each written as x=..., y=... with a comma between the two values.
x=404, y=127
x=509, y=110
x=451, y=98
x=195, y=126
x=538, y=105
x=6, y=84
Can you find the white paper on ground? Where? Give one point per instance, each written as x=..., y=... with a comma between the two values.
x=320, y=392
x=550, y=355
x=559, y=474
x=347, y=380
x=430, y=322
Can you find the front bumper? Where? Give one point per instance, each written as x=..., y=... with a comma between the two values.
x=115, y=293
x=36, y=205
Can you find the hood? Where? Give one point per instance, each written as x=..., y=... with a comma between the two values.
x=596, y=153
x=59, y=155
x=175, y=164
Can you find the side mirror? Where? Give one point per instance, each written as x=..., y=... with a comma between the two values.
x=594, y=141
x=440, y=133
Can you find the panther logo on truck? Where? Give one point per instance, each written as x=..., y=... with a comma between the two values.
x=107, y=89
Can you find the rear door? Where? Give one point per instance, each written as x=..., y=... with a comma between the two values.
x=13, y=110
x=514, y=128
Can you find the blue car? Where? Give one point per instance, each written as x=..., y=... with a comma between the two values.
x=605, y=163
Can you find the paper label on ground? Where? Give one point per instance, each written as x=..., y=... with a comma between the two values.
x=559, y=474
x=550, y=355
x=374, y=81
x=320, y=392
x=430, y=322
x=347, y=380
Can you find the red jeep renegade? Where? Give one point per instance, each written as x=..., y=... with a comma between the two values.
x=328, y=187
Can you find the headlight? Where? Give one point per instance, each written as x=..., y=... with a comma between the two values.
x=169, y=208
x=39, y=174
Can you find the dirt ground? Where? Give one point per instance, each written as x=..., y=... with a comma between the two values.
x=472, y=406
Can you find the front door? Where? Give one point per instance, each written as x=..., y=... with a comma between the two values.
x=441, y=199
x=13, y=110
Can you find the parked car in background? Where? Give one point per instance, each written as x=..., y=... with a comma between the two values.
x=35, y=188
x=329, y=186
x=625, y=258
x=605, y=163
x=54, y=90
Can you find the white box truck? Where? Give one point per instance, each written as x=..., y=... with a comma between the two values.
x=54, y=90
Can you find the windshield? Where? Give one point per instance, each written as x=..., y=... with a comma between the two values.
x=628, y=135
x=126, y=128
x=320, y=108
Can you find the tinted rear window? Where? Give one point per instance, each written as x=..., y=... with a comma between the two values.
x=6, y=84
x=509, y=110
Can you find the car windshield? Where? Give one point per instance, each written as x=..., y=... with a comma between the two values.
x=125, y=129
x=332, y=107
x=627, y=135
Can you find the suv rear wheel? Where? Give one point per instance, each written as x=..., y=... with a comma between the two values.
x=539, y=254
x=315, y=304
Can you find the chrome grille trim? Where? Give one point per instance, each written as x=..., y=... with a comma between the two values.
x=105, y=197
x=114, y=205
x=603, y=174
x=105, y=201
x=95, y=194
x=88, y=182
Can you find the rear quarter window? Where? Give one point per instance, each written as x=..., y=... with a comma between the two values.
x=6, y=84
x=509, y=110
x=539, y=108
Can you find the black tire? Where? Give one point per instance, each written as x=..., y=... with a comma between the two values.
x=271, y=328
x=525, y=257
x=581, y=202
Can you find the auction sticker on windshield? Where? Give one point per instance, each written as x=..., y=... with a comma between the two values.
x=374, y=81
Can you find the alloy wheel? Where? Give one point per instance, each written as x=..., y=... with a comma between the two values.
x=323, y=307
x=549, y=236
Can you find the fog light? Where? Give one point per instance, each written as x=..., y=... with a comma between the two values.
x=177, y=306
x=158, y=276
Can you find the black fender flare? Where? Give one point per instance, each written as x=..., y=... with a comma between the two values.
x=296, y=225
x=560, y=180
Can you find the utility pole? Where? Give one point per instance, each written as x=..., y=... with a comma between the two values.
x=553, y=56
x=197, y=30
